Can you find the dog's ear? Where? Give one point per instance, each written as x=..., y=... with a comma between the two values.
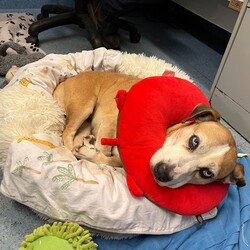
x=203, y=113
x=236, y=177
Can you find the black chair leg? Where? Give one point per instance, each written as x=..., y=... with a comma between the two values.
x=95, y=37
x=48, y=9
x=78, y=15
x=134, y=36
x=47, y=23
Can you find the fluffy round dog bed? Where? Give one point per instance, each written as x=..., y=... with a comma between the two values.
x=42, y=174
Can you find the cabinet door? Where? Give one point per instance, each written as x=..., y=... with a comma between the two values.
x=235, y=77
x=231, y=93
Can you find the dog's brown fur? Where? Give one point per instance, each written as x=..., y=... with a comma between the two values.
x=176, y=164
x=89, y=102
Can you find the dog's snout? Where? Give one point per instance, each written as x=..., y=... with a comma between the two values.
x=162, y=172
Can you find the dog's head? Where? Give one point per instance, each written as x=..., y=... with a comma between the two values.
x=199, y=151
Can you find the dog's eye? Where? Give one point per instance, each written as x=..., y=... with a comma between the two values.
x=206, y=173
x=193, y=142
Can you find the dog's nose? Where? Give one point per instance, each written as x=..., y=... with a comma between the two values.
x=162, y=172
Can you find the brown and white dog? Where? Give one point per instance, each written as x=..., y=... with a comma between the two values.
x=197, y=152
x=91, y=113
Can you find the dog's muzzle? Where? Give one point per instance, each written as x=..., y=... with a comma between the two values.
x=162, y=172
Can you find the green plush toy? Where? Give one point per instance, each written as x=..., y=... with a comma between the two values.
x=63, y=236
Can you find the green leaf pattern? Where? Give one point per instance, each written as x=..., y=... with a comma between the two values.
x=46, y=158
x=20, y=165
x=66, y=174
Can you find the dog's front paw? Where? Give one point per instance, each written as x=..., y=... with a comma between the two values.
x=89, y=141
x=85, y=152
x=87, y=149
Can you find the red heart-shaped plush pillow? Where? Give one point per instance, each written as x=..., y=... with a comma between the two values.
x=146, y=111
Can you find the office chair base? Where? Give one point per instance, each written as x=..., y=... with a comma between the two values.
x=65, y=15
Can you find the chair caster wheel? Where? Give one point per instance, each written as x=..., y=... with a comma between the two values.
x=134, y=38
x=96, y=43
x=33, y=40
x=41, y=16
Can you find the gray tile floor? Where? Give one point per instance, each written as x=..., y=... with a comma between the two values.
x=162, y=40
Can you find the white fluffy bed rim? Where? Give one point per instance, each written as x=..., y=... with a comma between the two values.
x=42, y=174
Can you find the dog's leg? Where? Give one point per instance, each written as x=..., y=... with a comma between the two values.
x=88, y=152
x=83, y=131
x=107, y=129
x=112, y=161
x=74, y=121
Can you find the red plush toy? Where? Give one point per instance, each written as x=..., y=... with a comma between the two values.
x=146, y=111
